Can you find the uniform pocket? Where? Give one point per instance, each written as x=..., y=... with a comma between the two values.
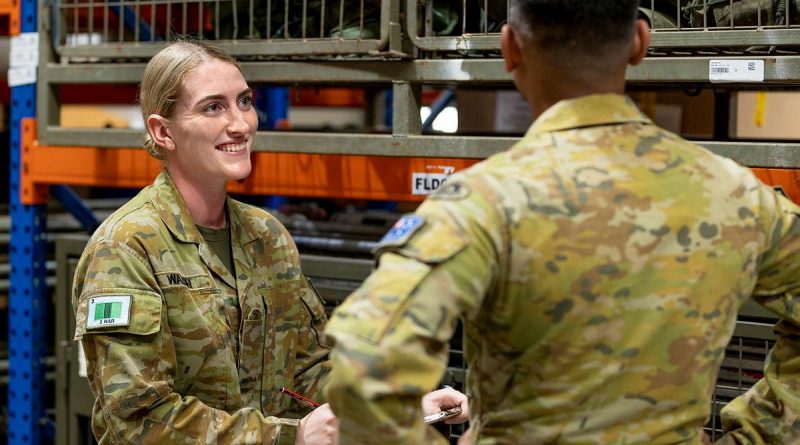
x=206, y=365
x=285, y=312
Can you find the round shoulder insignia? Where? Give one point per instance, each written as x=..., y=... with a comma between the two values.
x=451, y=191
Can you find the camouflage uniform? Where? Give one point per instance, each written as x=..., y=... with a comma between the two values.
x=598, y=265
x=204, y=353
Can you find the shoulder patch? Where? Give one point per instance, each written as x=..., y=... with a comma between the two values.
x=401, y=231
x=452, y=191
x=108, y=310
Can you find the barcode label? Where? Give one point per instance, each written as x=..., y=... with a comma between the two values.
x=736, y=70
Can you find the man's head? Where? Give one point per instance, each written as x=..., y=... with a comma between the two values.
x=575, y=28
x=578, y=43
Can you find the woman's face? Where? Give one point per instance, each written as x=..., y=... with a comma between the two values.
x=213, y=125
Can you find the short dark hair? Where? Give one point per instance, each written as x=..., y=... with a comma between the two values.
x=577, y=26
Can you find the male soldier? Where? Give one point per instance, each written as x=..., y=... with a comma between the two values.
x=598, y=265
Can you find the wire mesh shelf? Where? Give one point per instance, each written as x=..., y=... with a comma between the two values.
x=118, y=29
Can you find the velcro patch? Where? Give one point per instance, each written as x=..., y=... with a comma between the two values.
x=401, y=231
x=451, y=191
x=108, y=310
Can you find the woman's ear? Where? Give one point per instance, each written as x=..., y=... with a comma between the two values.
x=160, y=132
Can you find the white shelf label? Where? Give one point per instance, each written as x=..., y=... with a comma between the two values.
x=21, y=75
x=426, y=183
x=23, y=59
x=24, y=49
x=736, y=71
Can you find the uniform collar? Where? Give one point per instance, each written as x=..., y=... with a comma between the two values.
x=588, y=111
x=173, y=211
x=243, y=227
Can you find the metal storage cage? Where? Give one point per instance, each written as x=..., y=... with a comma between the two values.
x=461, y=26
x=737, y=26
x=407, y=54
x=131, y=29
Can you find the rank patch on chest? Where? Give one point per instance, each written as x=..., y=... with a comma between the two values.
x=108, y=311
x=402, y=231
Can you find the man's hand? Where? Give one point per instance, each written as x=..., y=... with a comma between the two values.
x=319, y=427
x=444, y=399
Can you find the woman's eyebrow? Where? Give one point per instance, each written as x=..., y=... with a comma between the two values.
x=211, y=97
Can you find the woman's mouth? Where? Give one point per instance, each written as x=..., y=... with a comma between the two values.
x=232, y=148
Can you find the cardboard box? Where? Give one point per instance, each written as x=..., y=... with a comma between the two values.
x=484, y=111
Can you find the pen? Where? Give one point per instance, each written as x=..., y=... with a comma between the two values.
x=299, y=397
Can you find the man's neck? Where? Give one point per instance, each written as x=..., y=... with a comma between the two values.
x=552, y=87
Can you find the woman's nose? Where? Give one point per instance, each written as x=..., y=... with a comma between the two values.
x=238, y=121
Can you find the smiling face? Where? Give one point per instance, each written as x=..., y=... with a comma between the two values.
x=211, y=132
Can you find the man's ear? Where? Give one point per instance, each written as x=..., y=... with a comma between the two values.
x=160, y=132
x=641, y=42
x=509, y=45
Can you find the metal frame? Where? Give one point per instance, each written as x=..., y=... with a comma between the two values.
x=678, y=37
x=73, y=396
x=462, y=44
x=27, y=297
x=407, y=77
x=376, y=62
x=751, y=154
x=307, y=175
x=147, y=47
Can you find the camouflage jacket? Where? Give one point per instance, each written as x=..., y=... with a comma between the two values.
x=179, y=350
x=599, y=265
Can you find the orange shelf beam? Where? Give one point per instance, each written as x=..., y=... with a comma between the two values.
x=307, y=175
x=11, y=9
x=785, y=180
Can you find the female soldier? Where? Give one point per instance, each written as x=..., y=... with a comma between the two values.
x=191, y=306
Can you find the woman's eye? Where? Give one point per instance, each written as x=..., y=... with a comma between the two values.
x=212, y=107
x=246, y=102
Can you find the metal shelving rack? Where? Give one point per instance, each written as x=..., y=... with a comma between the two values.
x=27, y=293
x=404, y=54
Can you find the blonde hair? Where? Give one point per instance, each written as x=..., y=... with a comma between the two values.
x=164, y=75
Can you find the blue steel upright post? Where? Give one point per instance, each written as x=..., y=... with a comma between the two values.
x=273, y=105
x=28, y=305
